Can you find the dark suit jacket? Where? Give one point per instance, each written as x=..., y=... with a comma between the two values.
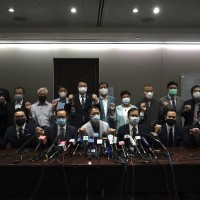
x=193, y=141
x=106, y=118
x=189, y=115
x=180, y=136
x=11, y=137
x=151, y=114
x=179, y=108
x=5, y=93
x=52, y=132
x=80, y=116
x=124, y=130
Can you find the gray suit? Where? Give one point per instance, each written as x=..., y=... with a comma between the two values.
x=179, y=106
x=104, y=128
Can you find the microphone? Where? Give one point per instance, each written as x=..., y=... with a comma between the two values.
x=62, y=146
x=41, y=138
x=104, y=137
x=71, y=142
x=127, y=140
x=133, y=143
x=138, y=141
x=79, y=142
x=156, y=140
x=55, y=141
x=147, y=145
x=121, y=143
x=23, y=146
x=115, y=141
x=91, y=150
x=111, y=141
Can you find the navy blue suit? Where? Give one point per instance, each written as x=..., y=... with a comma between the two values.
x=180, y=137
x=124, y=130
x=12, y=138
x=80, y=116
x=52, y=132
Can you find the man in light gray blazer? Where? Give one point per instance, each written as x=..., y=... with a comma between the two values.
x=95, y=125
x=171, y=102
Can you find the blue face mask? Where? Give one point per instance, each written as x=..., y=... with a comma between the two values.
x=61, y=121
x=95, y=118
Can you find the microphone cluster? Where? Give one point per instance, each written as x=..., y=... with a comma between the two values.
x=106, y=145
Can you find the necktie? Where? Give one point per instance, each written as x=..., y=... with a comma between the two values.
x=82, y=102
x=20, y=130
x=134, y=130
x=173, y=103
x=62, y=135
x=171, y=138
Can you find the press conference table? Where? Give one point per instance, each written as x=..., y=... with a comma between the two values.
x=81, y=178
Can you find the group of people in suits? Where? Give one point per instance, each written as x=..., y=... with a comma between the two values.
x=84, y=113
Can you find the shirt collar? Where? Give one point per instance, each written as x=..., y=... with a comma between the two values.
x=19, y=103
x=45, y=103
x=171, y=97
x=23, y=127
x=80, y=95
x=59, y=127
x=103, y=98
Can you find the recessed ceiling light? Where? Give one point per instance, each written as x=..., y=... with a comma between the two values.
x=11, y=10
x=135, y=10
x=156, y=10
x=73, y=10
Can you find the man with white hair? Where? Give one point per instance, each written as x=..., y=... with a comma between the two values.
x=42, y=109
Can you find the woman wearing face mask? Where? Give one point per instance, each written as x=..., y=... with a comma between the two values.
x=192, y=106
x=119, y=114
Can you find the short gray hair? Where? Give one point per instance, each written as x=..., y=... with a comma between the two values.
x=42, y=88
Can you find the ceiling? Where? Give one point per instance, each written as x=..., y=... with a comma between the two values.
x=100, y=20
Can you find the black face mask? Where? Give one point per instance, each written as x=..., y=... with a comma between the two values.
x=42, y=99
x=20, y=122
x=170, y=122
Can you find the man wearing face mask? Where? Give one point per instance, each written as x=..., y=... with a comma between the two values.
x=119, y=114
x=171, y=101
x=192, y=106
x=41, y=111
x=150, y=106
x=170, y=133
x=82, y=103
x=132, y=128
x=104, y=102
x=61, y=127
x=18, y=102
x=17, y=134
x=95, y=125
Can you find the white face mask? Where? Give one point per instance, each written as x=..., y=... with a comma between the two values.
x=103, y=91
x=95, y=118
x=149, y=95
x=62, y=94
x=196, y=95
x=82, y=90
x=134, y=120
x=126, y=101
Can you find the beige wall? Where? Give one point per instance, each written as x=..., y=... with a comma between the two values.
x=123, y=66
